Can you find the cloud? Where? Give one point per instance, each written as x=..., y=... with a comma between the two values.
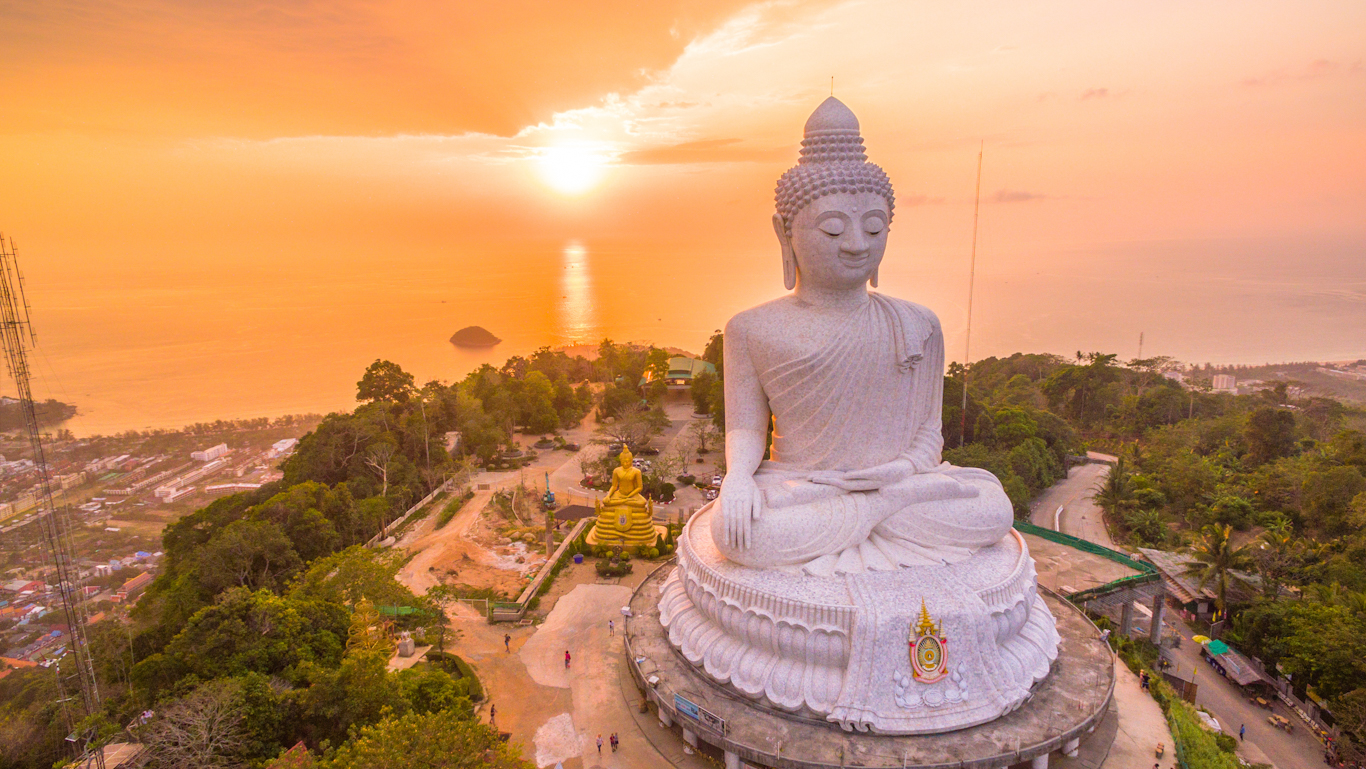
x=919, y=200
x=1314, y=70
x=265, y=68
x=704, y=151
x=1094, y=93
x=1015, y=196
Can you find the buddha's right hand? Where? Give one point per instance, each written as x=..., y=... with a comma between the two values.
x=741, y=502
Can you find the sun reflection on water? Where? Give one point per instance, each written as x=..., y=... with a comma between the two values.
x=578, y=321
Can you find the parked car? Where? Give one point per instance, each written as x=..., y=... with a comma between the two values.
x=716, y=480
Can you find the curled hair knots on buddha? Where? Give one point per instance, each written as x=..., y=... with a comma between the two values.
x=804, y=183
x=832, y=160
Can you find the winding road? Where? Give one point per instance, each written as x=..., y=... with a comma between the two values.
x=1067, y=507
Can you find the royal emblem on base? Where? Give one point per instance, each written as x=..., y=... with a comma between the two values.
x=929, y=649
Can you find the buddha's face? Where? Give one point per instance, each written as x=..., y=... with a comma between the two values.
x=625, y=462
x=838, y=239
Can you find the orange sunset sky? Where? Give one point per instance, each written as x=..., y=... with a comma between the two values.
x=155, y=147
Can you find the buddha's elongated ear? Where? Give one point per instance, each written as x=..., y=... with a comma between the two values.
x=789, y=258
x=872, y=280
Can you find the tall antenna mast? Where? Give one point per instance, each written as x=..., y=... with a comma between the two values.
x=972, y=279
x=1140, y=345
x=16, y=335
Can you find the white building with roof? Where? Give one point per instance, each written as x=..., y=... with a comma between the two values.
x=210, y=454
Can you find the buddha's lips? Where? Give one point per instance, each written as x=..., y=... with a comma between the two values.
x=855, y=261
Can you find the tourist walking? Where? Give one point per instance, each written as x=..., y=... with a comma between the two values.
x=507, y=642
x=1242, y=732
x=566, y=664
x=611, y=629
x=599, y=744
x=493, y=714
x=614, y=742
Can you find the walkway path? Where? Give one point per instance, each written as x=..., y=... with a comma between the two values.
x=554, y=712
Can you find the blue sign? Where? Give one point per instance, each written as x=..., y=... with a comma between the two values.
x=699, y=714
x=687, y=707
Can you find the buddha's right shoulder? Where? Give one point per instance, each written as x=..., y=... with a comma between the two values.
x=760, y=317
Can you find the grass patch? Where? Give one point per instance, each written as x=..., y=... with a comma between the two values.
x=459, y=669
x=453, y=507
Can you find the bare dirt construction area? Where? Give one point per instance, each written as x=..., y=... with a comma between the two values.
x=468, y=551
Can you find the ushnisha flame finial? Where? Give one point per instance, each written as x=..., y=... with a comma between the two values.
x=832, y=135
x=832, y=160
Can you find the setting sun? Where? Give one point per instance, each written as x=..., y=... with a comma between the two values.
x=571, y=169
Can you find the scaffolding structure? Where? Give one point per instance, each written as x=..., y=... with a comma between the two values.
x=17, y=336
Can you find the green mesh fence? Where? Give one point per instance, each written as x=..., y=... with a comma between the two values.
x=1147, y=572
x=1086, y=546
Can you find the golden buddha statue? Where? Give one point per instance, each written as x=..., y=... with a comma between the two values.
x=625, y=516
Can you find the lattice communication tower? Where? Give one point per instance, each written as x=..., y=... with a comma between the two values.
x=16, y=333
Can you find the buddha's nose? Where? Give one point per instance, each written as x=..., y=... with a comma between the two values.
x=856, y=243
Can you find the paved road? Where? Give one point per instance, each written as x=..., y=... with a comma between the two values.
x=1223, y=698
x=1080, y=517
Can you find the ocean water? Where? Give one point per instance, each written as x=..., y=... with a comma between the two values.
x=141, y=352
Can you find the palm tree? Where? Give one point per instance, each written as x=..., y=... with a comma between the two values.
x=1215, y=559
x=1115, y=494
x=1276, y=554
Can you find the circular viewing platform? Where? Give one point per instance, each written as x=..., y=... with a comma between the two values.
x=1061, y=710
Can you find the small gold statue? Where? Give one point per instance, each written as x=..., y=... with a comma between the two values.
x=625, y=516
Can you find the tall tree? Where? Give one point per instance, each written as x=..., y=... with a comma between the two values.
x=377, y=458
x=203, y=729
x=701, y=391
x=633, y=426
x=1215, y=561
x=1270, y=434
x=1276, y=555
x=385, y=381
x=716, y=352
x=430, y=741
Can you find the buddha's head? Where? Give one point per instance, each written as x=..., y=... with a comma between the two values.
x=834, y=207
x=625, y=457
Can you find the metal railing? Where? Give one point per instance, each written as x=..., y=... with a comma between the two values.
x=398, y=522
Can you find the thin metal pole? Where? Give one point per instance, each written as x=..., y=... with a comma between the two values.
x=972, y=279
x=16, y=335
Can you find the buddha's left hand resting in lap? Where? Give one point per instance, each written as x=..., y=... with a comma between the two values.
x=853, y=382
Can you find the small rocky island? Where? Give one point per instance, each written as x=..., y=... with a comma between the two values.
x=474, y=336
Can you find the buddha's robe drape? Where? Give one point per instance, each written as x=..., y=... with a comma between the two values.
x=869, y=396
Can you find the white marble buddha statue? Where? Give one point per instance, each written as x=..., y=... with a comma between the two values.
x=852, y=576
x=853, y=382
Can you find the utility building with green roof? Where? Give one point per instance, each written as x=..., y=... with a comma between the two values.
x=681, y=372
